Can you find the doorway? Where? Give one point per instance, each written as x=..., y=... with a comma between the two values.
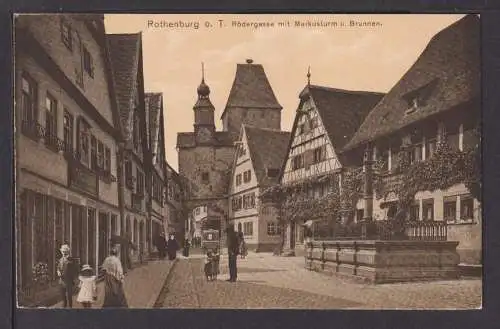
x=103, y=236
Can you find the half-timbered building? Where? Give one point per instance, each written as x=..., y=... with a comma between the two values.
x=326, y=119
x=257, y=164
x=67, y=137
x=173, y=222
x=157, y=170
x=436, y=101
x=126, y=60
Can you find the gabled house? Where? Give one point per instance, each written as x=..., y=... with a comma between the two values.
x=256, y=166
x=126, y=61
x=67, y=135
x=157, y=164
x=173, y=222
x=326, y=120
x=436, y=100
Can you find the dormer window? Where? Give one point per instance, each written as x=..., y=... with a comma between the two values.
x=413, y=105
x=418, y=98
x=66, y=34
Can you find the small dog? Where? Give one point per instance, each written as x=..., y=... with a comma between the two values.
x=212, y=260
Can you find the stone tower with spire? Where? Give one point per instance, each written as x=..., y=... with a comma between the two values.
x=204, y=123
x=205, y=159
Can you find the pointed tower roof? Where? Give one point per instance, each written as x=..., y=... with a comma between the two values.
x=203, y=92
x=251, y=88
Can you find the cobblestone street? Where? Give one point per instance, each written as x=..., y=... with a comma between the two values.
x=266, y=281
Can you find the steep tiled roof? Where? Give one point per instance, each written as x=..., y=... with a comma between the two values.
x=251, y=88
x=341, y=111
x=153, y=107
x=448, y=71
x=222, y=138
x=268, y=150
x=124, y=50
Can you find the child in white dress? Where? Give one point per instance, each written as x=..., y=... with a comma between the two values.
x=88, y=287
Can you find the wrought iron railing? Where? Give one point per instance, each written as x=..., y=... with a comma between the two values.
x=32, y=129
x=53, y=142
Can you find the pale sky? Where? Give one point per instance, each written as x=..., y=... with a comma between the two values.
x=354, y=58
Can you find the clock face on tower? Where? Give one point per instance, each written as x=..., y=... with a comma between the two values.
x=204, y=135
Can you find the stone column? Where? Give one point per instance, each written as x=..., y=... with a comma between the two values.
x=367, y=192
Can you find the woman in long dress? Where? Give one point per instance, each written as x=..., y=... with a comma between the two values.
x=114, y=295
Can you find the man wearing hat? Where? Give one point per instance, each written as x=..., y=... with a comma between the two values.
x=233, y=248
x=67, y=274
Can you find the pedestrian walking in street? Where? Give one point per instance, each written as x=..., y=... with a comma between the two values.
x=161, y=245
x=187, y=245
x=114, y=295
x=88, y=288
x=172, y=247
x=67, y=271
x=243, y=245
x=233, y=249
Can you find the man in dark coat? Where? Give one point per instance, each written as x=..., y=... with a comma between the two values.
x=161, y=245
x=233, y=248
x=172, y=247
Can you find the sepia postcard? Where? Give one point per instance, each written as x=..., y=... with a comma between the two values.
x=248, y=161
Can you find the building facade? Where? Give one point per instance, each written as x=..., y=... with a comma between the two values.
x=436, y=102
x=251, y=100
x=126, y=60
x=257, y=164
x=173, y=222
x=67, y=141
x=204, y=162
x=325, y=121
x=206, y=155
x=157, y=171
